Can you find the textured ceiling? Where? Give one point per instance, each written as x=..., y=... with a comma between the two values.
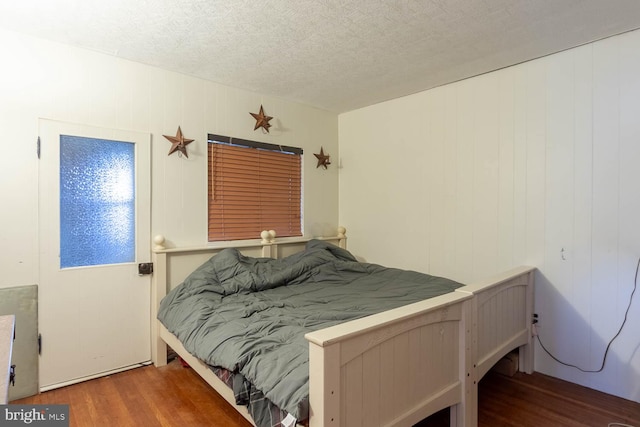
x=337, y=55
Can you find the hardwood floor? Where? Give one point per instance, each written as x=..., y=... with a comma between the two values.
x=168, y=396
x=539, y=400
x=176, y=396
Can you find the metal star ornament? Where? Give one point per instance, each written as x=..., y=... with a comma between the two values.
x=323, y=159
x=262, y=120
x=178, y=143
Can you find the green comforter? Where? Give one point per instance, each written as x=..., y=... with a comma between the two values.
x=249, y=315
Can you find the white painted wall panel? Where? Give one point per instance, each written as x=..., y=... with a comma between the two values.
x=626, y=350
x=485, y=190
x=520, y=214
x=435, y=179
x=579, y=254
x=463, y=209
x=535, y=135
x=605, y=207
x=447, y=228
x=506, y=170
x=555, y=302
x=536, y=158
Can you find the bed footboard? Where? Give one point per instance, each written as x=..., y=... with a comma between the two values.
x=392, y=368
x=502, y=313
x=400, y=366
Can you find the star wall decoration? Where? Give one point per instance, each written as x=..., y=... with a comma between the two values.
x=323, y=159
x=178, y=143
x=262, y=120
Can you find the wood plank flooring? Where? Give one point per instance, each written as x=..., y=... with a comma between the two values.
x=539, y=400
x=168, y=396
x=176, y=396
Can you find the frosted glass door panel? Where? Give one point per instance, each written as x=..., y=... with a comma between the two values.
x=97, y=201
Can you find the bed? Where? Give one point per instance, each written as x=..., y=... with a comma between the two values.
x=395, y=367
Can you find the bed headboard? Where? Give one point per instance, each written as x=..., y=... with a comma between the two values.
x=172, y=265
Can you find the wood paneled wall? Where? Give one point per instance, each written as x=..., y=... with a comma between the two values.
x=534, y=164
x=54, y=81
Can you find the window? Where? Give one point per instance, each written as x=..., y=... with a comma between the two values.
x=97, y=201
x=253, y=186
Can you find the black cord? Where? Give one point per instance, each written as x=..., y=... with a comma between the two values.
x=606, y=352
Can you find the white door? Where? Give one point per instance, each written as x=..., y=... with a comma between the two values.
x=94, y=221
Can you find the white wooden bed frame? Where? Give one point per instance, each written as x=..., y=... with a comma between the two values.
x=391, y=369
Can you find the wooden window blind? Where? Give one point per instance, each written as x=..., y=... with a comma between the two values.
x=253, y=186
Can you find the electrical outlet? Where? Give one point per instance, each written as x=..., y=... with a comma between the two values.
x=536, y=319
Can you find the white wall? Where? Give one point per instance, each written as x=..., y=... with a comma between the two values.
x=39, y=79
x=535, y=164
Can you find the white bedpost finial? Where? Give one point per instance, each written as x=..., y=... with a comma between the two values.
x=158, y=243
x=272, y=236
x=265, y=236
x=342, y=232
